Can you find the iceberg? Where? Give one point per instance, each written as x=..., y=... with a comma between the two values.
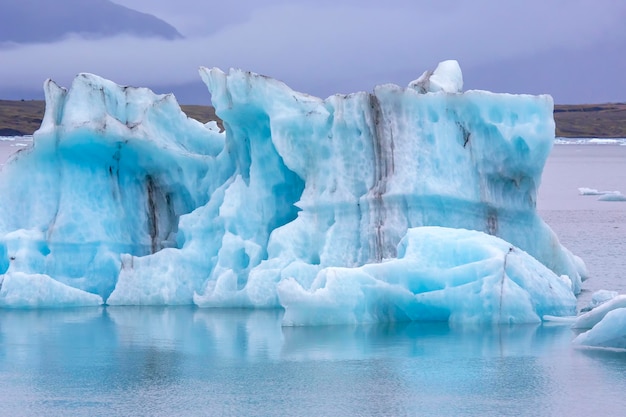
x=413, y=203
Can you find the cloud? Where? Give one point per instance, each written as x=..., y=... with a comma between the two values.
x=325, y=47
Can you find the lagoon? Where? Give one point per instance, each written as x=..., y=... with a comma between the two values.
x=154, y=361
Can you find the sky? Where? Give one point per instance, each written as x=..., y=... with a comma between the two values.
x=571, y=49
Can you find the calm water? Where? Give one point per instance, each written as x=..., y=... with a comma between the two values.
x=185, y=361
x=594, y=230
x=130, y=361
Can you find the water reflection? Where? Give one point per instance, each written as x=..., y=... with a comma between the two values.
x=174, y=361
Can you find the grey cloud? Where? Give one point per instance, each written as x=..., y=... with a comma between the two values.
x=322, y=47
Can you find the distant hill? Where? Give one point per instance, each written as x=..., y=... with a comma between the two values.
x=572, y=121
x=33, y=21
x=591, y=120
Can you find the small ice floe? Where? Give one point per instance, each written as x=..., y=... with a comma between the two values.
x=604, y=195
x=610, y=332
x=606, y=324
x=593, y=317
x=590, y=141
x=605, y=141
x=602, y=322
x=14, y=138
x=614, y=196
x=593, y=191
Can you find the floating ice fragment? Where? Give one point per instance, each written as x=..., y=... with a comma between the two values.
x=593, y=191
x=604, y=195
x=610, y=332
x=613, y=196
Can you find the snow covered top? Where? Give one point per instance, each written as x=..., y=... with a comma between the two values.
x=447, y=78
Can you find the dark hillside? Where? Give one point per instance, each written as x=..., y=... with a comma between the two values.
x=591, y=120
x=18, y=118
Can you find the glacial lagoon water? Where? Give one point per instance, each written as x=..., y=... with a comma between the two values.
x=147, y=361
x=129, y=361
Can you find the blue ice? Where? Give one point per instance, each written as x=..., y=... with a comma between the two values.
x=413, y=203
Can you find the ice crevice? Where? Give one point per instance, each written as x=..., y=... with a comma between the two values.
x=398, y=204
x=382, y=141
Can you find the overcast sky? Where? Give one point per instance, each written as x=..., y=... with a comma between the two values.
x=326, y=46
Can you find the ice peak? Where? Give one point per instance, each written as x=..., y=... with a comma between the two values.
x=447, y=77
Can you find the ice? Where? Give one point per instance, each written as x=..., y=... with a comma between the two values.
x=440, y=274
x=447, y=77
x=21, y=290
x=606, y=323
x=348, y=209
x=614, y=196
x=604, y=195
x=14, y=138
x=593, y=317
x=599, y=297
x=592, y=191
x=610, y=332
x=591, y=141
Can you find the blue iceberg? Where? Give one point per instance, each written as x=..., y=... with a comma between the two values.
x=413, y=203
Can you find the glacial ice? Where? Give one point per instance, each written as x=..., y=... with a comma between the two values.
x=592, y=191
x=594, y=316
x=412, y=203
x=610, y=332
x=439, y=273
x=615, y=196
x=603, y=195
x=605, y=325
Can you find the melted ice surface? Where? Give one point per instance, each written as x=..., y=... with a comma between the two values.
x=316, y=206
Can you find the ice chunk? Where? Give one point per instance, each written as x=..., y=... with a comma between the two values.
x=591, y=191
x=21, y=290
x=439, y=274
x=610, y=332
x=613, y=196
x=447, y=78
x=606, y=323
x=124, y=197
x=604, y=195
